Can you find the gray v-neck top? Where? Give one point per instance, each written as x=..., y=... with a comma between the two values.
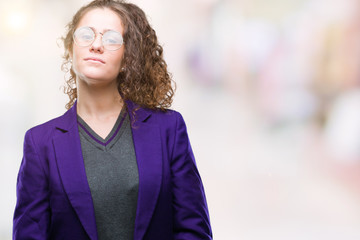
x=112, y=174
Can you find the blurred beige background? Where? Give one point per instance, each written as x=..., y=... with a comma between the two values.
x=270, y=92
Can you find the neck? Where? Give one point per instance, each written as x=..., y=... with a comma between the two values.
x=98, y=102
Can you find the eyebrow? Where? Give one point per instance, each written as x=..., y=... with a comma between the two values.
x=104, y=30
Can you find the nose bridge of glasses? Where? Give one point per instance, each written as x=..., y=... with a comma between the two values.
x=96, y=34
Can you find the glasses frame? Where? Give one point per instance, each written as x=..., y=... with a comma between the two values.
x=95, y=36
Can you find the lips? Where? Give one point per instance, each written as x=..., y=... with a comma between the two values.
x=93, y=59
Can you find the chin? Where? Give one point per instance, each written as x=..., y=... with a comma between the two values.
x=96, y=79
x=95, y=75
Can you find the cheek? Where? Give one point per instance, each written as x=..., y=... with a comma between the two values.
x=120, y=55
x=76, y=60
x=75, y=64
x=118, y=58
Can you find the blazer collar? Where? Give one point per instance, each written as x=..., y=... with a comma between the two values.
x=141, y=114
x=69, y=119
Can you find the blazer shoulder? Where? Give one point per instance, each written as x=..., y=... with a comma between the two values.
x=156, y=115
x=168, y=113
x=43, y=131
x=168, y=117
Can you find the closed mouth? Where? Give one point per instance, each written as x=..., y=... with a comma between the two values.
x=95, y=59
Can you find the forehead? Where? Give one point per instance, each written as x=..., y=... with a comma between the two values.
x=101, y=19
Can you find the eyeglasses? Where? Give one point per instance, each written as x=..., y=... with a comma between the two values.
x=85, y=36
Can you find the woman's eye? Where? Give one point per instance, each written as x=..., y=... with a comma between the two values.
x=112, y=37
x=86, y=36
x=110, y=41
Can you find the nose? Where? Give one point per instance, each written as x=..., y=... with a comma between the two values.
x=97, y=45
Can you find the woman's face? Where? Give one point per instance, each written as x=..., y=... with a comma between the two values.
x=94, y=64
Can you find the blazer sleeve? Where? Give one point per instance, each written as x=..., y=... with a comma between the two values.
x=191, y=217
x=31, y=216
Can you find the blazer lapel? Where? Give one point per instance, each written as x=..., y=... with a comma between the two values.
x=72, y=171
x=147, y=144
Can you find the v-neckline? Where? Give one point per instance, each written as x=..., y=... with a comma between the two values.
x=97, y=138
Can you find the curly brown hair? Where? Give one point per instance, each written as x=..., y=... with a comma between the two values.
x=144, y=79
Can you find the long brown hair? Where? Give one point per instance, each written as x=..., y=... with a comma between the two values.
x=144, y=79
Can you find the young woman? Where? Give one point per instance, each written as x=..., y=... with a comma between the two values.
x=117, y=164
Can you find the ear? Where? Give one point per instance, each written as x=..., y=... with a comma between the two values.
x=122, y=67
